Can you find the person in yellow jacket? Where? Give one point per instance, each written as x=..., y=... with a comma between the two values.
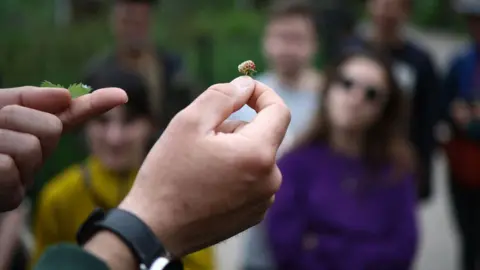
x=118, y=141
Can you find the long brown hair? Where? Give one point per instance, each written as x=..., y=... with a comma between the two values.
x=386, y=140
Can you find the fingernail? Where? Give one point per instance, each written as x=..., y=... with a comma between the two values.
x=243, y=83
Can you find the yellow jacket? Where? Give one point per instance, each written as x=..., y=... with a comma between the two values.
x=67, y=200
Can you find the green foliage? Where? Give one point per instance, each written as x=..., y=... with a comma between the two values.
x=437, y=14
x=233, y=36
x=37, y=49
x=79, y=89
x=50, y=85
x=75, y=90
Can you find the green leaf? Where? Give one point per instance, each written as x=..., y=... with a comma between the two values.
x=50, y=85
x=79, y=89
x=75, y=90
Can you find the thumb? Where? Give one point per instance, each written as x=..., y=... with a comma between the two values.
x=219, y=101
x=91, y=105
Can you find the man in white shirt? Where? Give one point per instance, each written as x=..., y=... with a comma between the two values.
x=290, y=46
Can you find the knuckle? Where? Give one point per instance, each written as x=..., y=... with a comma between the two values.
x=8, y=112
x=223, y=91
x=11, y=108
x=31, y=146
x=55, y=126
x=275, y=182
x=270, y=186
x=284, y=113
x=256, y=159
x=264, y=159
x=287, y=113
x=185, y=119
x=7, y=164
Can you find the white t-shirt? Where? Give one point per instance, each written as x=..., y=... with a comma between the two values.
x=303, y=105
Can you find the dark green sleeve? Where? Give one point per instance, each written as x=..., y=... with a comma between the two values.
x=71, y=257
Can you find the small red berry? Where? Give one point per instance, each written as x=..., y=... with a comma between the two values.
x=247, y=68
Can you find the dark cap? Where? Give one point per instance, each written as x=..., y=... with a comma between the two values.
x=131, y=83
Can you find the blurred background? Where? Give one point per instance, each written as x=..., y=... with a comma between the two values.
x=201, y=43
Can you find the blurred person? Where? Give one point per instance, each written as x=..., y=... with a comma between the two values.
x=118, y=141
x=290, y=46
x=348, y=200
x=415, y=71
x=461, y=113
x=136, y=51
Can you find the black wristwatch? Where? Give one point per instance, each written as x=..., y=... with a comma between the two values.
x=136, y=235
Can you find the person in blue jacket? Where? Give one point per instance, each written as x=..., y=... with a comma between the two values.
x=461, y=113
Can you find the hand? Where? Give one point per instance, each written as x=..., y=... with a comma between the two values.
x=205, y=179
x=461, y=113
x=442, y=132
x=32, y=120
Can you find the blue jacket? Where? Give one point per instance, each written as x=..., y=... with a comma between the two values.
x=459, y=82
x=460, y=78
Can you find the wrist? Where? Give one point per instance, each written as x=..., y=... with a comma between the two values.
x=121, y=233
x=112, y=250
x=161, y=223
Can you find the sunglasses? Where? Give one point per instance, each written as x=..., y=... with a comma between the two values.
x=371, y=93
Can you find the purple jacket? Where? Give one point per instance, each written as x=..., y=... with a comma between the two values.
x=328, y=216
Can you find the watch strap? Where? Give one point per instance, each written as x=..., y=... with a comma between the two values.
x=134, y=233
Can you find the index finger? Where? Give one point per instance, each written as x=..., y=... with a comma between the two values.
x=50, y=100
x=272, y=119
x=90, y=105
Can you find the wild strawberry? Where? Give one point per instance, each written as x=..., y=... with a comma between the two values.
x=247, y=68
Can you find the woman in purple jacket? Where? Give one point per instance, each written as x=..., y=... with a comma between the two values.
x=348, y=196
